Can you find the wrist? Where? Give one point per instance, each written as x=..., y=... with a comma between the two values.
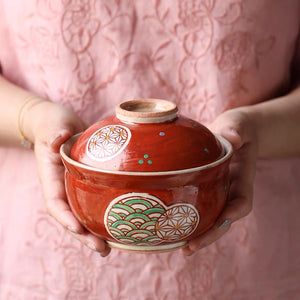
x=30, y=118
x=252, y=118
x=259, y=123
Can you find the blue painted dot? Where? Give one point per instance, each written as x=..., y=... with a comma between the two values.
x=161, y=133
x=206, y=150
x=141, y=161
x=149, y=162
x=84, y=221
x=146, y=156
x=79, y=218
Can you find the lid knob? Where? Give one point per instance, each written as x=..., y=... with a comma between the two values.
x=146, y=111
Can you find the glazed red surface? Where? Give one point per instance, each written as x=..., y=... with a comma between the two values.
x=175, y=145
x=90, y=192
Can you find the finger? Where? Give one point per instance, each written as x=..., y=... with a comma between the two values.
x=238, y=205
x=58, y=136
x=242, y=172
x=51, y=172
x=210, y=236
x=235, y=126
x=61, y=212
x=93, y=242
x=75, y=124
x=58, y=139
x=207, y=238
x=234, y=211
x=106, y=251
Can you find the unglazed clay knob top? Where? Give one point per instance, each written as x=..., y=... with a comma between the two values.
x=146, y=111
x=147, y=135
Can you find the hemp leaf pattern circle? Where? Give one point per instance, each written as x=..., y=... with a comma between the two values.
x=107, y=142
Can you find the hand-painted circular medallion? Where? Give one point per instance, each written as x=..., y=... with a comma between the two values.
x=107, y=142
x=143, y=219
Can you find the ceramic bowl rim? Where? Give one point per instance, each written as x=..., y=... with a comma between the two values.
x=225, y=144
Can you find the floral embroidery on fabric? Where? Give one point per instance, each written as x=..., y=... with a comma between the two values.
x=72, y=31
x=89, y=30
x=193, y=31
x=232, y=51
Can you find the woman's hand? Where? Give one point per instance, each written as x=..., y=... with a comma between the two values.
x=238, y=127
x=50, y=126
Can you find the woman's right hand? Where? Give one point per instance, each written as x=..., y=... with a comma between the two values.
x=50, y=125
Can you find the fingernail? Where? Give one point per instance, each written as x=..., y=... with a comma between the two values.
x=190, y=253
x=105, y=252
x=55, y=139
x=92, y=246
x=187, y=251
x=196, y=247
x=225, y=223
x=73, y=229
x=202, y=245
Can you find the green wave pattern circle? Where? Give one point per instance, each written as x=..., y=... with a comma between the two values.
x=132, y=221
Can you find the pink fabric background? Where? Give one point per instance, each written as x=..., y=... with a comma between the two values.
x=207, y=56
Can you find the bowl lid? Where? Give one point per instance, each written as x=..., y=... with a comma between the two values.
x=146, y=135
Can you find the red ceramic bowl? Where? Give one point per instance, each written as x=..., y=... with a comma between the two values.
x=147, y=180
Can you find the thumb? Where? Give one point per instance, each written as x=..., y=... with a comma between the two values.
x=234, y=125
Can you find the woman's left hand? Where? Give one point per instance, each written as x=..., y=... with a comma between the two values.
x=237, y=126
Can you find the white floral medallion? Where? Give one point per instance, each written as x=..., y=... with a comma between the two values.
x=107, y=142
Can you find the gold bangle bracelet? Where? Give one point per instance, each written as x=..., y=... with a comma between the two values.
x=24, y=141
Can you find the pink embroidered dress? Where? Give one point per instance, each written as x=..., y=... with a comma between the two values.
x=207, y=56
